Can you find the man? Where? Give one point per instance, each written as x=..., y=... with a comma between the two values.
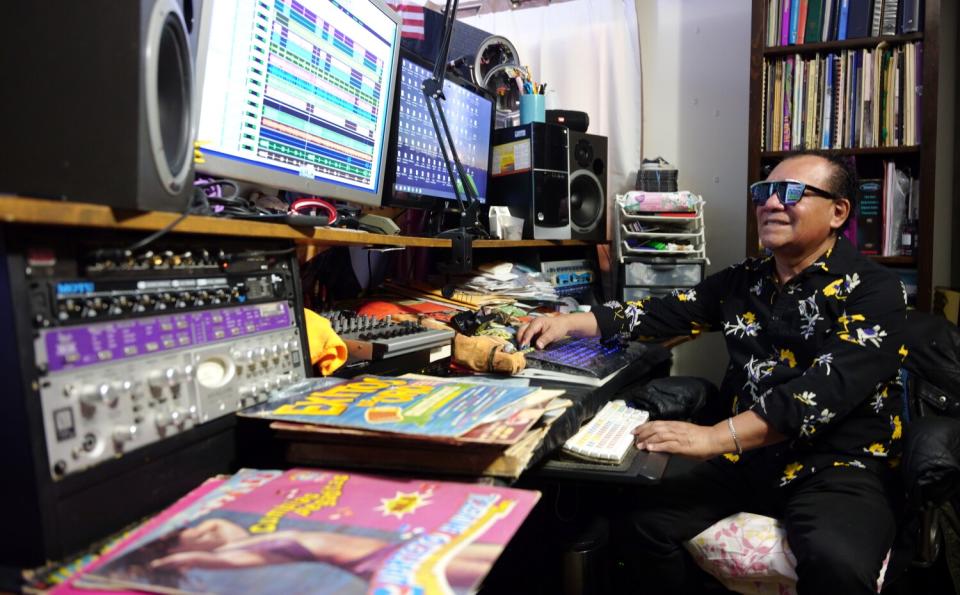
x=814, y=338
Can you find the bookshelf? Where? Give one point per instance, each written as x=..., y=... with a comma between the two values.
x=930, y=161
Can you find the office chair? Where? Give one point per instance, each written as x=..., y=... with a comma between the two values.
x=749, y=553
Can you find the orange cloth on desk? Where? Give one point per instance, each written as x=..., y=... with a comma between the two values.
x=327, y=349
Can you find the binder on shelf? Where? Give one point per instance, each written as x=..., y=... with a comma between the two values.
x=870, y=217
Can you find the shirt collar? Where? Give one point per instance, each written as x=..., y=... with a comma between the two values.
x=837, y=261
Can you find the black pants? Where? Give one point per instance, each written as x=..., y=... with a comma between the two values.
x=839, y=522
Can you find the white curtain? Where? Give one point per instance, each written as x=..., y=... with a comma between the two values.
x=588, y=53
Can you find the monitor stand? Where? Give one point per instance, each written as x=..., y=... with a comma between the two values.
x=461, y=237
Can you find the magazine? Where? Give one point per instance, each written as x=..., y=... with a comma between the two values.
x=316, y=531
x=412, y=406
x=211, y=494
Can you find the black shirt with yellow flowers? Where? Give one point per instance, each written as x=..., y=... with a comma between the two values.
x=818, y=358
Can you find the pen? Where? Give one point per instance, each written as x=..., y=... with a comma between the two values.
x=543, y=88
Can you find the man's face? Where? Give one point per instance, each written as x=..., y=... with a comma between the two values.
x=806, y=224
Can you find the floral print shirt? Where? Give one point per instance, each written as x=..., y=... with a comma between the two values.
x=818, y=358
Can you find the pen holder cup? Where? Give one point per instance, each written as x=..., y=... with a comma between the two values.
x=532, y=109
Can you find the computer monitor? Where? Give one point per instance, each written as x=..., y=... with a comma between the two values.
x=416, y=174
x=297, y=95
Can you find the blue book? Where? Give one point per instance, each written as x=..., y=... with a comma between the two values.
x=794, y=20
x=842, y=21
x=859, y=19
x=909, y=16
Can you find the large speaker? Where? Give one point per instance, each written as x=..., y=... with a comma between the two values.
x=100, y=101
x=529, y=173
x=588, y=186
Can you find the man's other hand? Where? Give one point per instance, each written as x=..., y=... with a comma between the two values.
x=680, y=437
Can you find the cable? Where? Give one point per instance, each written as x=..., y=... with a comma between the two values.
x=217, y=183
x=139, y=245
x=313, y=203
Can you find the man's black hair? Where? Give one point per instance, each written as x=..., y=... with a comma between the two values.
x=843, y=179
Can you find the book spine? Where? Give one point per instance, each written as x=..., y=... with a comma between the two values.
x=773, y=13
x=828, y=9
x=785, y=22
x=842, y=21
x=787, y=102
x=814, y=21
x=918, y=91
x=827, y=103
x=875, y=20
x=802, y=21
x=888, y=21
x=794, y=17
x=870, y=216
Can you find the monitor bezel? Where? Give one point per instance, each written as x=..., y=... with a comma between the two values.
x=427, y=201
x=262, y=177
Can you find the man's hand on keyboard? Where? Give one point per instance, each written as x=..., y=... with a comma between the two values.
x=679, y=437
x=547, y=329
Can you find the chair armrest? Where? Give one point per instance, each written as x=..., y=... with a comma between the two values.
x=931, y=460
x=673, y=397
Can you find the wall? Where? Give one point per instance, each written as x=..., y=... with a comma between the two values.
x=695, y=56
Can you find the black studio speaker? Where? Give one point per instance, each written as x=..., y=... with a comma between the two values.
x=588, y=186
x=100, y=104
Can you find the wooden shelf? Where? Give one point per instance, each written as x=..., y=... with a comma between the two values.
x=895, y=261
x=846, y=44
x=529, y=243
x=914, y=149
x=16, y=209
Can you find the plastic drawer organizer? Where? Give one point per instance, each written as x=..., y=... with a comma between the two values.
x=659, y=243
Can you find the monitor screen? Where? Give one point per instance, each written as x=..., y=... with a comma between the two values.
x=416, y=174
x=297, y=95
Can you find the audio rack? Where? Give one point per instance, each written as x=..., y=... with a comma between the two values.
x=124, y=367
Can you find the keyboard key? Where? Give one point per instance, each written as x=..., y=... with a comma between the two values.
x=608, y=437
x=586, y=356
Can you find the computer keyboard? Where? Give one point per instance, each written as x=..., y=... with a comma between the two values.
x=608, y=436
x=587, y=356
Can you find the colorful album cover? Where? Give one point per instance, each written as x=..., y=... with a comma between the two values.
x=415, y=406
x=211, y=494
x=316, y=531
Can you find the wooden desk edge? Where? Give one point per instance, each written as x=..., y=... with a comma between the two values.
x=36, y=211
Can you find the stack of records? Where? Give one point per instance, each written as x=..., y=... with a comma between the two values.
x=656, y=175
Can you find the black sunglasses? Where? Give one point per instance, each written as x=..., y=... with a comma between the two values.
x=788, y=191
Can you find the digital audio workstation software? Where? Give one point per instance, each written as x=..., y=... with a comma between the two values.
x=420, y=170
x=297, y=95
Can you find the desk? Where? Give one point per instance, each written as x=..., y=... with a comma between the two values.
x=261, y=445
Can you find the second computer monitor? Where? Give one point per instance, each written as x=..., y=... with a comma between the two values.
x=416, y=173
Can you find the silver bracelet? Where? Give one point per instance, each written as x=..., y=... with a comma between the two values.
x=733, y=432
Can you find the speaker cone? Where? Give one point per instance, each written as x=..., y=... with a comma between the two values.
x=586, y=200
x=168, y=93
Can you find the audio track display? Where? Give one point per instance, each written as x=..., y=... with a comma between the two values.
x=310, y=99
